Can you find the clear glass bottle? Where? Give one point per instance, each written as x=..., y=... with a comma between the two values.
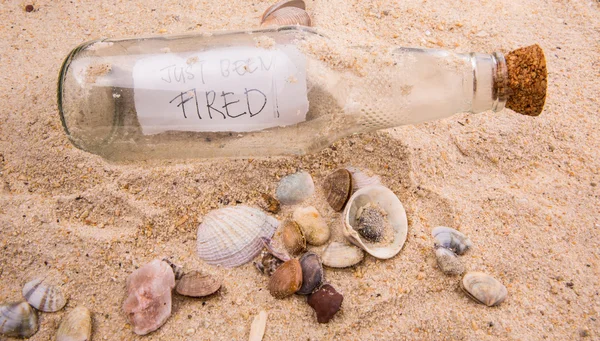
x=278, y=91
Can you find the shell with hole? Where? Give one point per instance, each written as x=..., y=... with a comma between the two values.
x=231, y=236
x=18, y=320
x=43, y=296
x=395, y=216
x=483, y=288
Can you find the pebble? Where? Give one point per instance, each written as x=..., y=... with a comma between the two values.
x=326, y=302
x=190, y=331
x=313, y=225
x=295, y=188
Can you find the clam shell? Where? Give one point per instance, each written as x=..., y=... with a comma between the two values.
x=286, y=280
x=18, y=320
x=326, y=302
x=448, y=262
x=43, y=296
x=385, y=199
x=288, y=16
x=76, y=326
x=282, y=4
x=313, y=225
x=451, y=239
x=259, y=324
x=361, y=179
x=196, y=284
x=231, y=236
x=148, y=302
x=338, y=188
x=340, y=255
x=295, y=188
x=293, y=238
x=483, y=288
x=312, y=273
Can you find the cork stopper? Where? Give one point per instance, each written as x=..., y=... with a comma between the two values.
x=527, y=79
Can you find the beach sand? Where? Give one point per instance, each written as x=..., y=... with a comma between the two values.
x=525, y=190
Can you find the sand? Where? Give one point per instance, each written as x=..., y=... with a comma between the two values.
x=525, y=190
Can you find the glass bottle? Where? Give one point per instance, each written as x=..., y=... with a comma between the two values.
x=278, y=91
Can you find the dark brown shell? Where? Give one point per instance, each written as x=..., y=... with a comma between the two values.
x=286, y=280
x=326, y=302
x=288, y=16
x=282, y=4
x=196, y=284
x=338, y=188
x=312, y=273
x=293, y=238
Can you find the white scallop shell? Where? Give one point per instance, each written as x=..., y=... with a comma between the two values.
x=361, y=179
x=43, y=296
x=18, y=320
x=386, y=199
x=340, y=255
x=231, y=236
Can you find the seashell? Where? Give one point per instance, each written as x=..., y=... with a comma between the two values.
x=278, y=254
x=295, y=188
x=338, y=188
x=148, y=302
x=483, y=288
x=361, y=179
x=326, y=302
x=312, y=273
x=18, y=320
x=259, y=324
x=231, y=236
x=76, y=326
x=293, y=238
x=177, y=269
x=43, y=296
x=451, y=239
x=386, y=200
x=288, y=16
x=269, y=204
x=448, y=262
x=286, y=280
x=196, y=284
x=282, y=4
x=339, y=255
x=270, y=258
x=315, y=228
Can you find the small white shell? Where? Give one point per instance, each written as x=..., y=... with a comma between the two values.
x=18, y=320
x=282, y=4
x=451, y=239
x=295, y=188
x=384, y=198
x=361, y=179
x=259, y=324
x=231, y=236
x=288, y=16
x=76, y=326
x=483, y=288
x=339, y=255
x=44, y=297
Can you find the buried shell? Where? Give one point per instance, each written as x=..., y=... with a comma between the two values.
x=312, y=273
x=313, y=225
x=288, y=16
x=282, y=4
x=383, y=198
x=483, y=288
x=286, y=280
x=295, y=188
x=196, y=284
x=338, y=188
x=326, y=302
x=448, y=262
x=361, y=179
x=231, y=236
x=292, y=237
x=451, y=239
x=339, y=255
x=76, y=326
x=43, y=296
x=18, y=320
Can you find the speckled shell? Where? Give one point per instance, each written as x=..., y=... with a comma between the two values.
x=196, y=284
x=18, y=320
x=43, y=296
x=340, y=255
x=448, y=262
x=451, y=239
x=361, y=179
x=483, y=288
x=76, y=326
x=282, y=4
x=231, y=236
x=288, y=16
x=338, y=188
x=386, y=199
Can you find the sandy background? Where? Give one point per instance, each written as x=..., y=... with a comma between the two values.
x=524, y=189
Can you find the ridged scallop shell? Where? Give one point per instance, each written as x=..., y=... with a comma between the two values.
x=287, y=16
x=76, y=326
x=18, y=320
x=451, y=239
x=384, y=198
x=338, y=188
x=483, y=288
x=340, y=255
x=361, y=179
x=282, y=4
x=231, y=236
x=448, y=262
x=43, y=296
x=197, y=284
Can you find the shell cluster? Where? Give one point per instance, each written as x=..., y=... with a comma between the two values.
x=286, y=12
x=449, y=243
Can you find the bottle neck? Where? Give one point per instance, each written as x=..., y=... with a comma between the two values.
x=489, y=82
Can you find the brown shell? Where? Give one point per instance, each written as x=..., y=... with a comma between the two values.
x=286, y=280
x=338, y=188
x=196, y=284
x=293, y=238
x=282, y=4
x=288, y=16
